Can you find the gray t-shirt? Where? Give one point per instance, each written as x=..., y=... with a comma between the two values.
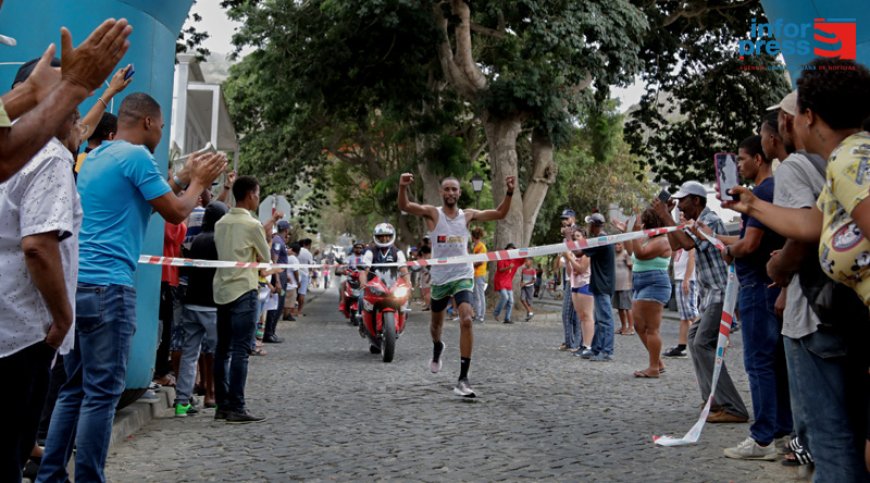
x=797, y=185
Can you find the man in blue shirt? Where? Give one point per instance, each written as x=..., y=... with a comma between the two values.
x=763, y=359
x=119, y=187
x=279, y=255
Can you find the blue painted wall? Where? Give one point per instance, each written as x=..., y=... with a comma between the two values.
x=156, y=23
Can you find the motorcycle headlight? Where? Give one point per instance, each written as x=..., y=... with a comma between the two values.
x=400, y=292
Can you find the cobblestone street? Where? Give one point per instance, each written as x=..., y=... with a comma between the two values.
x=336, y=412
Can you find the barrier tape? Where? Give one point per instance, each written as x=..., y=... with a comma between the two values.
x=731, y=288
x=475, y=258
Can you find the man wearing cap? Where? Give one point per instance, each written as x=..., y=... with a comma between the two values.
x=570, y=323
x=603, y=262
x=279, y=255
x=712, y=276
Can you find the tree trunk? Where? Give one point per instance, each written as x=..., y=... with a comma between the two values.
x=501, y=136
x=543, y=176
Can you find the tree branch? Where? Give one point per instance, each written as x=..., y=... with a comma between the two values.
x=465, y=59
x=689, y=14
x=445, y=56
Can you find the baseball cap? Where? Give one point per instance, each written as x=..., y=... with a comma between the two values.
x=788, y=104
x=568, y=213
x=690, y=188
x=283, y=225
x=595, y=219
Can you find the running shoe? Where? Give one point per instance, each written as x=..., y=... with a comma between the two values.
x=238, y=417
x=748, y=449
x=529, y=316
x=435, y=364
x=184, y=410
x=463, y=389
x=601, y=357
x=675, y=353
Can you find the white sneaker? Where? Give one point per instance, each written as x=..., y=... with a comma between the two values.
x=435, y=366
x=463, y=389
x=781, y=445
x=748, y=449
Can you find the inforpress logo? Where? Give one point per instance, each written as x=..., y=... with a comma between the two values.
x=833, y=37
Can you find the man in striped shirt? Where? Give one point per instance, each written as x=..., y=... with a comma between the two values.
x=712, y=275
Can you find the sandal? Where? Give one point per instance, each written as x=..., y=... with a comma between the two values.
x=645, y=375
x=631, y=332
x=799, y=454
x=259, y=351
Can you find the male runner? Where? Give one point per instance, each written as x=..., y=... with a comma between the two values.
x=448, y=229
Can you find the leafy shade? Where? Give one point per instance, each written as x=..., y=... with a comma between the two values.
x=702, y=98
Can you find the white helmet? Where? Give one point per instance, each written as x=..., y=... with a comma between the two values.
x=384, y=229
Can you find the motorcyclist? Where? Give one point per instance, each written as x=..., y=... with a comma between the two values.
x=354, y=262
x=384, y=251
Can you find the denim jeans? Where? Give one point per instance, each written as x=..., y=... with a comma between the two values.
x=26, y=373
x=602, y=341
x=703, y=338
x=506, y=301
x=829, y=392
x=570, y=321
x=764, y=361
x=96, y=369
x=236, y=323
x=197, y=326
x=479, y=297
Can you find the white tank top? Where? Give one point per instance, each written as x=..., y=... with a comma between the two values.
x=450, y=239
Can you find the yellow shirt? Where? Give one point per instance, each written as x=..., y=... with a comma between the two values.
x=481, y=270
x=844, y=252
x=4, y=118
x=239, y=237
x=80, y=159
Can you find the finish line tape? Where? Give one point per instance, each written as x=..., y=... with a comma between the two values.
x=481, y=257
x=694, y=434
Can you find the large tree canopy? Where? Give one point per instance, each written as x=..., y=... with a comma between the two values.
x=701, y=97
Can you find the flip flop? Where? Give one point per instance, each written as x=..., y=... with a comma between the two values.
x=629, y=333
x=644, y=375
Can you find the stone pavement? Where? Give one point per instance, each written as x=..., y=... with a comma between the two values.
x=337, y=412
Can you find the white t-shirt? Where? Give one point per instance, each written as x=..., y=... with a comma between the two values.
x=306, y=258
x=40, y=198
x=681, y=263
x=291, y=280
x=797, y=184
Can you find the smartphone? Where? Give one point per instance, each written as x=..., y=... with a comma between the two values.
x=129, y=72
x=664, y=195
x=726, y=174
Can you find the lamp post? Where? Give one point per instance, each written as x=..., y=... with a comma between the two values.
x=477, y=186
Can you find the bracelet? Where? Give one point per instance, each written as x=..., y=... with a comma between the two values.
x=177, y=181
x=104, y=102
x=509, y=193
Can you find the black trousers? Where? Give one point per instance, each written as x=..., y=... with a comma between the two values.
x=26, y=373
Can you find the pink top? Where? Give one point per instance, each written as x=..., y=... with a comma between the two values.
x=579, y=279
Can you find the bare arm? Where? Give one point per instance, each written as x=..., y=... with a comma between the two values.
x=656, y=247
x=116, y=86
x=427, y=211
x=224, y=195
x=203, y=170
x=690, y=264
x=677, y=239
x=503, y=208
x=578, y=264
x=42, y=257
x=783, y=264
x=799, y=224
x=83, y=69
x=747, y=245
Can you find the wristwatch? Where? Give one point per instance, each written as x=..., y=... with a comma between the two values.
x=177, y=181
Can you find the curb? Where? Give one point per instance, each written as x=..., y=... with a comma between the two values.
x=137, y=415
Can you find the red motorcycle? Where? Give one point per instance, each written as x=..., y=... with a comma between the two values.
x=383, y=318
x=352, y=298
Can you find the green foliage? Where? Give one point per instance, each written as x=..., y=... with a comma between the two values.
x=700, y=100
x=591, y=178
x=190, y=39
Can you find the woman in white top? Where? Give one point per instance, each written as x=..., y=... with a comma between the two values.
x=579, y=273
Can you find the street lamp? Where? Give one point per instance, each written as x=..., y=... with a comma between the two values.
x=477, y=186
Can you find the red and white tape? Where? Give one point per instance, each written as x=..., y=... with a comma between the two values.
x=481, y=257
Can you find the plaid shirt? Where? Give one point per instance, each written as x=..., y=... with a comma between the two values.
x=710, y=269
